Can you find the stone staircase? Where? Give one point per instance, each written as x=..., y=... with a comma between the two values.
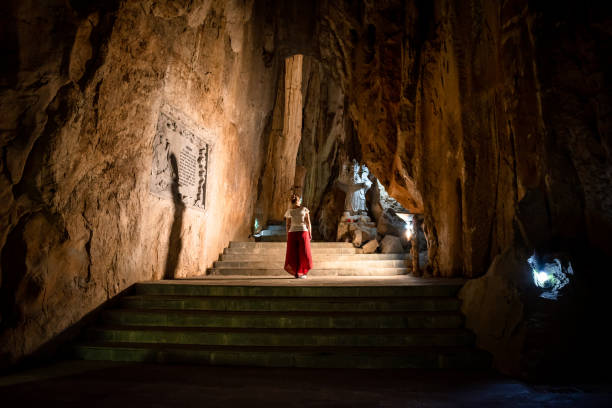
x=298, y=324
x=243, y=259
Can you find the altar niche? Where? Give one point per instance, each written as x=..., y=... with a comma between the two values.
x=174, y=138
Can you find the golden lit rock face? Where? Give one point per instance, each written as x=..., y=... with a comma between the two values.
x=283, y=143
x=461, y=108
x=79, y=109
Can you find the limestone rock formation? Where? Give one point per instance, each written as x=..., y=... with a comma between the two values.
x=483, y=108
x=495, y=309
x=370, y=247
x=530, y=335
x=391, y=245
x=81, y=93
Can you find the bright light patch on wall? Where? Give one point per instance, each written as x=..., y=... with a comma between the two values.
x=408, y=234
x=409, y=220
x=550, y=276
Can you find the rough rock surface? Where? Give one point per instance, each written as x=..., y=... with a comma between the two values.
x=495, y=309
x=484, y=107
x=531, y=336
x=484, y=127
x=370, y=247
x=391, y=245
x=81, y=92
x=390, y=223
x=324, y=136
x=283, y=143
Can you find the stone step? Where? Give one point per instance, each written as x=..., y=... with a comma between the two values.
x=341, y=271
x=284, y=338
x=313, y=244
x=280, y=250
x=288, y=304
x=310, y=290
x=280, y=257
x=317, y=264
x=282, y=320
x=313, y=357
x=297, y=324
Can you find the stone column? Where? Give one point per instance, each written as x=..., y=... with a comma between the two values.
x=298, y=180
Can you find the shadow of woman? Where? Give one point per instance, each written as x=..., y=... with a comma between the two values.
x=175, y=242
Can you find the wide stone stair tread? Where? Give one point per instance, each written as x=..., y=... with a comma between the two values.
x=281, y=251
x=355, y=264
x=285, y=319
x=329, y=357
x=289, y=331
x=268, y=313
x=279, y=303
x=313, y=244
x=183, y=289
x=283, y=337
x=263, y=321
x=280, y=257
x=313, y=272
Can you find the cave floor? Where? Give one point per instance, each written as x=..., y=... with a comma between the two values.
x=106, y=384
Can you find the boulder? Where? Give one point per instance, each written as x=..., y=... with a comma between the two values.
x=390, y=224
x=391, y=245
x=369, y=233
x=344, y=232
x=529, y=334
x=370, y=247
x=357, y=238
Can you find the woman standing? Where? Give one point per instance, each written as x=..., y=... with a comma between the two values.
x=298, y=259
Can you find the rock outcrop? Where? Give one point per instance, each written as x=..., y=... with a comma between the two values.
x=391, y=244
x=484, y=107
x=81, y=92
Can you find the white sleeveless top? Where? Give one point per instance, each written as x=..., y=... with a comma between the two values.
x=298, y=218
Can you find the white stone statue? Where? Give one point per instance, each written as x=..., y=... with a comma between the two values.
x=359, y=199
x=353, y=180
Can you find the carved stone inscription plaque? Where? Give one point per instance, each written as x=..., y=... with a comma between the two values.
x=180, y=160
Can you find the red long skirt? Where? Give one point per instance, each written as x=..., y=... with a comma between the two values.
x=298, y=259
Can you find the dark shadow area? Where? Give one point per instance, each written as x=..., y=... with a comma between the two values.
x=154, y=385
x=175, y=242
x=59, y=348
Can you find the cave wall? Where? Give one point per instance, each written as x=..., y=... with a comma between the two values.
x=323, y=131
x=328, y=138
x=497, y=128
x=485, y=107
x=282, y=140
x=80, y=95
x=309, y=127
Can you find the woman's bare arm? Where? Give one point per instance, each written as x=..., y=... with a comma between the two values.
x=309, y=226
x=288, y=224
